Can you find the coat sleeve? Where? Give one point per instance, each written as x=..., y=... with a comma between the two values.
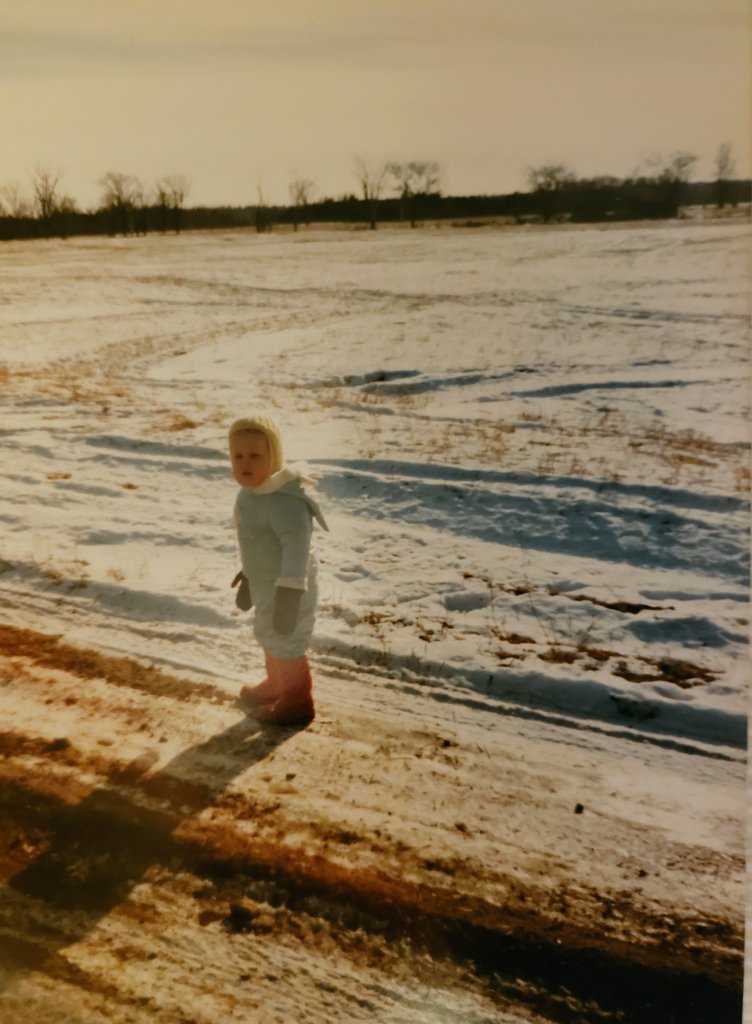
x=292, y=525
x=239, y=515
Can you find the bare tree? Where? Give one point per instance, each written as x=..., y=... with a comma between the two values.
x=15, y=202
x=549, y=177
x=120, y=195
x=179, y=186
x=371, y=180
x=263, y=218
x=301, y=192
x=172, y=191
x=672, y=173
x=162, y=200
x=402, y=179
x=65, y=214
x=413, y=178
x=45, y=183
x=548, y=182
x=427, y=176
x=143, y=198
x=675, y=169
x=725, y=166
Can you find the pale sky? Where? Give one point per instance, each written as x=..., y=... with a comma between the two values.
x=240, y=93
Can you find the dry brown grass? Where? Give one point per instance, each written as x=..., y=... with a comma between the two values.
x=49, y=652
x=742, y=479
x=180, y=422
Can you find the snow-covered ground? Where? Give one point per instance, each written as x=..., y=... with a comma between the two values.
x=532, y=448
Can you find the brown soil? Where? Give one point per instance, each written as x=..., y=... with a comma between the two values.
x=85, y=827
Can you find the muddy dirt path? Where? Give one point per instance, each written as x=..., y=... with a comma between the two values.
x=162, y=858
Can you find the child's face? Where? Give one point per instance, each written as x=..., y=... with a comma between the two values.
x=249, y=453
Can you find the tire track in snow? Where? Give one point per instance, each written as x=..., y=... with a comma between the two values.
x=552, y=514
x=571, y=703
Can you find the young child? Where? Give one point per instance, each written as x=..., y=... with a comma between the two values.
x=274, y=519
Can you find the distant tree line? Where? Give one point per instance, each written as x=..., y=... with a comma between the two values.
x=658, y=191
x=127, y=207
x=389, y=192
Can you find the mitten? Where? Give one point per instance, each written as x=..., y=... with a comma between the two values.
x=286, y=609
x=243, y=598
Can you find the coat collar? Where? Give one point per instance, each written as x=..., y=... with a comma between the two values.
x=276, y=481
x=285, y=476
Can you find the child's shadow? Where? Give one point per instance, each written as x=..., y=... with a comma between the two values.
x=103, y=845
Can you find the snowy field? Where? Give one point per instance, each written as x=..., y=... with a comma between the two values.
x=523, y=795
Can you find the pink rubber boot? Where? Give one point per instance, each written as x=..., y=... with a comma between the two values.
x=263, y=693
x=294, y=704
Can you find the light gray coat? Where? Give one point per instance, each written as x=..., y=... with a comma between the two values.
x=274, y=523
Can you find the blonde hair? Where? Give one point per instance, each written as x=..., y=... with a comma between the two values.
x=263, y=425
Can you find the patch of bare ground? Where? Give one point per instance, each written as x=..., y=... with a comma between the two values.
x=50, y=652
x=638, y=669
x=634, y=668
x=671, y=458
x=85, y=827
